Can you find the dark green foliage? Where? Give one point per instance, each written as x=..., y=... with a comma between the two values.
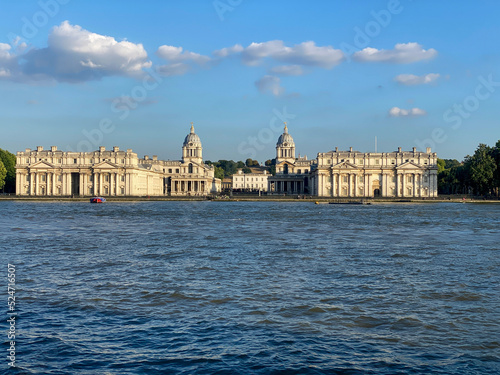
x=9, y=161
x=3, y=173
x=478, y=174
x=252, y=163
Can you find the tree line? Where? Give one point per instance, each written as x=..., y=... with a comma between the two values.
x=478, y=174
x=7, y=172
x=226, y=168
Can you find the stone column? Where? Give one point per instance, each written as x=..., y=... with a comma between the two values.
x=99, y=188
x=403, y=185
x=414, y=184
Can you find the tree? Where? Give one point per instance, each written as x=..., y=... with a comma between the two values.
x=268, y=163
x=246, y=170
x=9, y=161
x=481, y=168
x=219, y=173
x=3, y=174
x=240, y=164
x=251, y=163
x=496, y=156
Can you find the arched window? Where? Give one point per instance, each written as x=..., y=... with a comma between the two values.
x=285, y=169
x=190, y=168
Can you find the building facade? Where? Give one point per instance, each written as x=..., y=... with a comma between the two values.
x=114, y=173
x=250, y=181
x=354, y=174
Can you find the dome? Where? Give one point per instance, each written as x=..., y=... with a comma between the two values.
x=285, y=138
x=192, y=139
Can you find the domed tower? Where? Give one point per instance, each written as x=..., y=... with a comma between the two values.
x=285, y=148
x=191, y=148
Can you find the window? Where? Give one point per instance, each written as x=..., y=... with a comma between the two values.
x=106, y=191
x=42, y=178
x=59, y=178
x=409, y=179
x=360, y=179
x=177, y=170
x=170, y=170
x=123, y=178
x=377, y=161
x=106, y=178
x=393, y=161
x=27, y=177
x=299, y=171
x=123, y=161
x=190, y=168
x=345, y=179
x=426, y=179
x=122, y=191
x=91, y=178
x=75, y=161
x=425, y=161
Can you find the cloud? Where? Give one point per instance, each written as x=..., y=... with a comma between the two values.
x=306, y=53
x=287, y=70
x=225, y=52
x=177, y=54
x=8, y=61
x=270, y=84
x=180, y=61
x=403, y=53
x=411, y=79
x=399, y=112
x=74, y=54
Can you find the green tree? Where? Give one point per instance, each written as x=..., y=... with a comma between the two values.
x=9, y=161
x=496, y=156
x=219, y=173
x=3, y=174
x=240, y=164
x=246, y=170
x=481, y=168
x=251, y=163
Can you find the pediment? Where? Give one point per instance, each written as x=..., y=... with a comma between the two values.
x=42, y=165
x=409, y=165
x=345, y=165
x=286, y=162
x=105, y=165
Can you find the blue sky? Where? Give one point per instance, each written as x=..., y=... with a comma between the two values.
x=80, y=74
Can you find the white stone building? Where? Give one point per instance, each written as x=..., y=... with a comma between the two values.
x=114, y=173
x=353, y=173
x=250, y=181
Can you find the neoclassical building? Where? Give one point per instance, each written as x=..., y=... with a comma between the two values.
x=353, y=173
x=250, y=181
x=114, y=173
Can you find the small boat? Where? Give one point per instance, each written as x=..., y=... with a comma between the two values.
x=97, y=200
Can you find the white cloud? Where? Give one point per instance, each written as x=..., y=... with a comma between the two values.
x=74, y=54
x=403, y=53
x=270, y=84
x=224, y=52
x=399, y=112
x=177, y=54
x=179, y=61
x=411, y=79
x=306, y=53
x=287, y=70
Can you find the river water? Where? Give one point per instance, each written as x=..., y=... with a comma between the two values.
x=253, y=288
